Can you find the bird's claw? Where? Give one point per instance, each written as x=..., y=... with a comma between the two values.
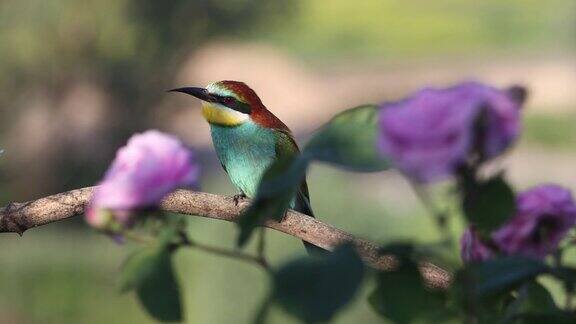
x=284, y=215
x=238, y=198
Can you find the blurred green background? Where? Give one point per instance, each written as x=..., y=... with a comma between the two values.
x=78, y=78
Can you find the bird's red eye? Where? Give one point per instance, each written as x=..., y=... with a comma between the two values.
x=228, y=100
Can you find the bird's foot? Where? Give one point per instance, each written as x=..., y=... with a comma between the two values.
x=238, y=198
x=284, y=215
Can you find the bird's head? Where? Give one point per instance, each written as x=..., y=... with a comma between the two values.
x=226, y=103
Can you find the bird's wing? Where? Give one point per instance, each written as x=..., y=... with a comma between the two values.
x=285, y=144
x=285, y=147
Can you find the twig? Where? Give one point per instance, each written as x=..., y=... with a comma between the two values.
x=438, y=216
x=136, y=237
x=234, y=254
x=261, y=242
x=18, y=217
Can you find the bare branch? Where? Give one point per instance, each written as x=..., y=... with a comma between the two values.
x=18, y=217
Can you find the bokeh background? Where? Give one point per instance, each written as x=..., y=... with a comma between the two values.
x=78, y=77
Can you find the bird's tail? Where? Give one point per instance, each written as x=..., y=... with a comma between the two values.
x=303, y=206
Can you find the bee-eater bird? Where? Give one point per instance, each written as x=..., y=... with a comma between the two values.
x=247, y=138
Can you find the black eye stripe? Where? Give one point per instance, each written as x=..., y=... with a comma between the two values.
x=226, y=100
x=234, y=104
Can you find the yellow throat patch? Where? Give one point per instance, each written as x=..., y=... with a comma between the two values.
x=221, y=115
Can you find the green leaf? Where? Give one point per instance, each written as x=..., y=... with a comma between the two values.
x=484, y=289
x=160, y=292
x=275, y=192
x=137, y=268
x=538, y=300
x=349, y=141
x=150, y=272
x=402, y=297
x=501, y=275
x=170, y=232
x=487, y=205
x=260, y=210
x=315, y=288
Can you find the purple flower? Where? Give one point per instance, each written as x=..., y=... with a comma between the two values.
x=543, y=217
x=150, y=166
x=472, y=249
x=430, y=134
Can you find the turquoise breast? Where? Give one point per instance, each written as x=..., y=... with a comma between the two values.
x=245, y=151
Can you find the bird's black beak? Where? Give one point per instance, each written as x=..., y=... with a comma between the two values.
x=199, y=93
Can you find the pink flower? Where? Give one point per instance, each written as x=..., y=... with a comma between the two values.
x=543, y=217
x=150, y=166
x=430, y=134
x=472, y=249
